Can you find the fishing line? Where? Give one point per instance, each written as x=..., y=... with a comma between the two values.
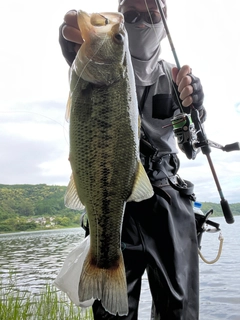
x=89, y=60
x=151, y=16
x=80, y=75
x=158, y=3
x=168, y=34
x=160, y=6
x=32, y=112
x=148, y=11
x=39, y=114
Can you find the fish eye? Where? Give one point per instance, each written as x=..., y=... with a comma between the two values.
x=118, y=37
x=98, y=20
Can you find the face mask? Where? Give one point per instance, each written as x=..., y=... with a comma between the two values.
x=144, y=42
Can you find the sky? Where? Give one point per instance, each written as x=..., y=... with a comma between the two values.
x=34, y=89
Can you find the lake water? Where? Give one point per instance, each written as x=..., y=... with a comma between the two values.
x=36, y=258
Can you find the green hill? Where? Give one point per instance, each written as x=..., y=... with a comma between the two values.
x=217, y=210
x=34, y=207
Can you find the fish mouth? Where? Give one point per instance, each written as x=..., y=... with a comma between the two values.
x=102, y=23
x=105, y=18
x=113, y=20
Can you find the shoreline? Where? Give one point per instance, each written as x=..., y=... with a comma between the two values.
x=39, y=231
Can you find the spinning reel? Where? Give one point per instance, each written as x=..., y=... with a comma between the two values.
x=191, y=136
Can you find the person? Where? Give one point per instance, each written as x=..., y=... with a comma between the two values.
x=158, y=234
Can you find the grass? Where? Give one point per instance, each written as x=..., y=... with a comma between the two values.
x=49, y=304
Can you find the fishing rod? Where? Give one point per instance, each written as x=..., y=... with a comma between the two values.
x=190, y=134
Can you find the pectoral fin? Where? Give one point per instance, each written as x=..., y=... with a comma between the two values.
x=71, y=199
x=68, y=108
x=142, y=188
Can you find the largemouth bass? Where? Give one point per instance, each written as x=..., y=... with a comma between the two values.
x=104, y=152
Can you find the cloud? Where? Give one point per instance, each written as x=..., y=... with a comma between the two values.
x=24, y=161
x=227, y=169
x=237, y=107
x=34, y=90
x=35, y=144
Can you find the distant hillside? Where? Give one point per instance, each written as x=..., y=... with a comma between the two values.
x=32, y=207
x=21, y=206
x=217, y=210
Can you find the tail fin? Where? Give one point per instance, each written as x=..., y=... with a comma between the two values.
x=107, y=285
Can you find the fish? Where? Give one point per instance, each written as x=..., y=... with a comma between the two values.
x=103, y=116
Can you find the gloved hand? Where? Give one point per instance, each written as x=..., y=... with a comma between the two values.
x=70, y=37
x=189, y=87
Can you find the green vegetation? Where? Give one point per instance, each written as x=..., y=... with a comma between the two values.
x=34, y=207
x=217, y=210
x=50, y=304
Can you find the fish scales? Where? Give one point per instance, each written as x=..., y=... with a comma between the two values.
x=104, y=153
x=103, y=165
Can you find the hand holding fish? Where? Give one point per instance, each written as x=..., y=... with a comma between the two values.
x=71, y=31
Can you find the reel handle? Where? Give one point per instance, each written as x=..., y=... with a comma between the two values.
x=227, y=211
x=232, y=147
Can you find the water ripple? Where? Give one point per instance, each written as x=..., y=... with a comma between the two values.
x=35, y=258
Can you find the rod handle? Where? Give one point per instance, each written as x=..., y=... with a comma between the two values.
x=227, y=211
x=232, y=147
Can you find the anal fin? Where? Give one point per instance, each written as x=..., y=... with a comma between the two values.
x=142, y=188
x=71, y=198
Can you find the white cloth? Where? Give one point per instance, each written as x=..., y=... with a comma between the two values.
x=68, y=277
